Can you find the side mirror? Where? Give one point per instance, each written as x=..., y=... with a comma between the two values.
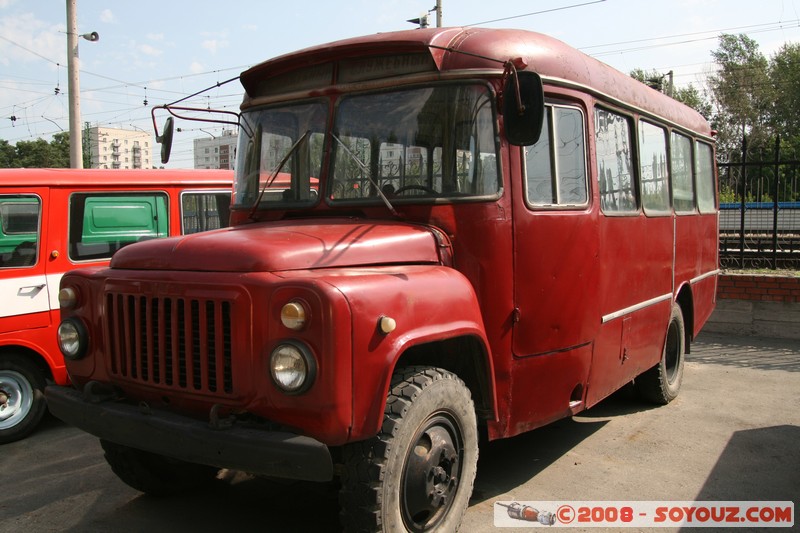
x=165, y=139
x=523, y=109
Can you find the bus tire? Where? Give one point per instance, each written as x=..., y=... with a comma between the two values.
x=155, y=474
x=662, y=383
x=22, y=402
x=417, y=474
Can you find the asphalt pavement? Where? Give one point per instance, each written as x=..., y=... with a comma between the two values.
x=731, y=435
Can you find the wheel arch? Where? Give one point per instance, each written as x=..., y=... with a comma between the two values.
x=685, y=300
x=29, y=353
x=465, y=356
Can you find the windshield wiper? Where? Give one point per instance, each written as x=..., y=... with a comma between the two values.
x=275, y=173
x=365, y=169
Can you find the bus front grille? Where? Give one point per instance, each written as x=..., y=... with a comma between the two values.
x=170, y=342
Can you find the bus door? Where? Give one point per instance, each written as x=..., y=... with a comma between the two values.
x=23, y=284
x=556, y=268
x=636, y=250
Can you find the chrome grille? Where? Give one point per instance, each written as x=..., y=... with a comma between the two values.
x=171, y=342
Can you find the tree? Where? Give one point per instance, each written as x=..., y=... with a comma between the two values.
x=742, y=94
x=7, y=154
x=688, y=95
x=36, y=154
x=784, y=72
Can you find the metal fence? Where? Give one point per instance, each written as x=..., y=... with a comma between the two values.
x=760, y=212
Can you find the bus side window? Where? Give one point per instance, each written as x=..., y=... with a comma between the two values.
x=682, y=173
x=202, y=211
x=101, y=224
x=555, y=167
x=615, y=163
x=19, y=231
x=704, y=172
x=653, y=168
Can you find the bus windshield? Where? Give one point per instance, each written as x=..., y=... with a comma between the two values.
x=280, y=156
x=425, y=142
x=414, y=144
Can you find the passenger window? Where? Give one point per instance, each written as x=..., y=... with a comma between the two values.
x=614, y=162
x=653, y=168
x=19, y=230
x=101, y=224
x=555, y=167
x=204, y=211
x=682, y=183
x=704, y=170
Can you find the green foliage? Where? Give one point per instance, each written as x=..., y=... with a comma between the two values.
x=36, y=154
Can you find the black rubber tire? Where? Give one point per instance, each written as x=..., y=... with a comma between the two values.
x=22, y=387
x=154, y=474
x=417, y=474
x=662, y=383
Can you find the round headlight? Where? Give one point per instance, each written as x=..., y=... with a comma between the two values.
x=294, y=315
x=292, y=367
x=72, y=339
x=67, y=298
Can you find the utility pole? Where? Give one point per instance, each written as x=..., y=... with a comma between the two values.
x=73, y=67
x=438, y=13
x=74, y=85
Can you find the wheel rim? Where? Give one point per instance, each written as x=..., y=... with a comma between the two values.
x=16, y=398
x=672, y=351
x=431, y=472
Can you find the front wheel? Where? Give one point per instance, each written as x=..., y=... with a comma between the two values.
x=155, y=474
x=662, y=383
x=22, y=403
x=417, y=473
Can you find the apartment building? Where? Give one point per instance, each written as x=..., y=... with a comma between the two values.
x=117, y=148
x=216, y=151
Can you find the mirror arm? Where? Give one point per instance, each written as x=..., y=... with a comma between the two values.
x=510, y=70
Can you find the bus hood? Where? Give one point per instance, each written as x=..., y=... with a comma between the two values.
x=289, y=245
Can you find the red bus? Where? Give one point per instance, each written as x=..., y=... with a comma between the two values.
x=56, y=220
x=506, y=232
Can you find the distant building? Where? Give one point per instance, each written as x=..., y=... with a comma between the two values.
x=120, y=148
x=216, y=152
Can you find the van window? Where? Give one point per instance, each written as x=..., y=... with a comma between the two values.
x=682, y=173
x=19, y=230
x=653, y=168
x=704, y=173
x=204, y=210
x=102, y=223
x=615, y=162
x=555, y=167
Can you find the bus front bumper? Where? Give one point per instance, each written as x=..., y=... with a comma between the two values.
x=253, y=450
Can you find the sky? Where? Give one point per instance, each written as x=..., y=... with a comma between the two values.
x=160, y=51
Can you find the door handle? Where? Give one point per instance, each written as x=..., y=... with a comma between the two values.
x=31, y=291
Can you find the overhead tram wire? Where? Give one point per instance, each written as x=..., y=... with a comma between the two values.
x=562, y=8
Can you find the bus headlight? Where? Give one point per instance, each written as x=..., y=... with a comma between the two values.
x=292, y=367
x=72, y=338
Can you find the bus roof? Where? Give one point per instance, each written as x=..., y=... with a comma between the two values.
x=449, y=49
x=68, y=177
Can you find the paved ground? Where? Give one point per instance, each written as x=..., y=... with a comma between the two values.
x=732, y=434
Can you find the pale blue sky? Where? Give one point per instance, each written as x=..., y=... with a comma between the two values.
x=174, y=48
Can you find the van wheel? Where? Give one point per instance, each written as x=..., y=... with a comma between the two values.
x=662, y=383
x=22, y=403
x=417, y=473
x=155, y=474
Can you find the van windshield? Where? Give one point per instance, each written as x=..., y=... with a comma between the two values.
x=418, y=143
x=415, y=144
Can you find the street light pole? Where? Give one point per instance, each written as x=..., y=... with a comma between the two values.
x=74, y=84
x=73, y=67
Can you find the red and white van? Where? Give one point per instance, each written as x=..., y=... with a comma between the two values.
x=55, y=220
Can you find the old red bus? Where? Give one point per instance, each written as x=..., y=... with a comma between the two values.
x=506, y=232
x=56, y=220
